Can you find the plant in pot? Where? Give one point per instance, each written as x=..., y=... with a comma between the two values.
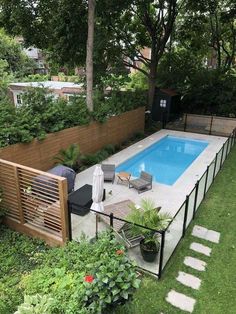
x=147, y=215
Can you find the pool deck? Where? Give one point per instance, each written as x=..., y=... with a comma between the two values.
x=168, y=197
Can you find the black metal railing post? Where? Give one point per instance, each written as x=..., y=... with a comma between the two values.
x=69, y=222
x=205, y=187
x=227, y=149
x=161, y=253
x=185, y=215
x=214, y=172
x=185, y=122
x=211, y=125
x=111, y=219
x=221, y=159
x=195, y=198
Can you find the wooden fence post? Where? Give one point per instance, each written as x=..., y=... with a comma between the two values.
x=18, y=194
x=63, y=195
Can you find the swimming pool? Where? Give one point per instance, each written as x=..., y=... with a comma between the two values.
x=166, y=159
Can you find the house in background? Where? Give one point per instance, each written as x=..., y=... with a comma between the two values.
x=36, y=55
x=66, y=90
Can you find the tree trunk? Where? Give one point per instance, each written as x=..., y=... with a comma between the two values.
x=89, y=56
x=152, y=79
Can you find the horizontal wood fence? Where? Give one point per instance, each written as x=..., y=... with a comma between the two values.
x=92, y=137
x=36, y=202
x=212, y=125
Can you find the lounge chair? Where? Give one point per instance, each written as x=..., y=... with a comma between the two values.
x=109, y=172
x=143, y=183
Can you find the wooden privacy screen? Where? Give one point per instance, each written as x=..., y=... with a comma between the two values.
x=92, y=137
x=36, y=202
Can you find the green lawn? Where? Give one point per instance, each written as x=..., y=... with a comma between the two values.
x=218, y=290
x=217, y=293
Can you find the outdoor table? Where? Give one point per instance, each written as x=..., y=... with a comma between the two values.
x=123, y=177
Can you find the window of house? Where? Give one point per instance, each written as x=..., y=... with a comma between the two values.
x=18, y=100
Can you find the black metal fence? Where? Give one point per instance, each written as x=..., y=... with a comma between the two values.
x=210, y=125
x=177, y=227
x=91, y=225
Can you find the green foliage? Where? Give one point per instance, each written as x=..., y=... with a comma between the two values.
x=36, y=78
x=137, y=81
x=16, y=60
x=117, y=102
x=38, y=115
x=149, y=216
x=212, y=92
x=36, y=304
x=19, y=254
x=69, y=157
x=64, y=271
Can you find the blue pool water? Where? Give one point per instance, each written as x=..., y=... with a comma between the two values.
x=166, y=159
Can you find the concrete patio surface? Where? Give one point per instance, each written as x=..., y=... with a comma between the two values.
x=168, y=197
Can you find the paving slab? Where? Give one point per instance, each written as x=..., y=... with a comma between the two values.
x=206, y=234
x=189, y=280
x=195, y=263
x=200, y=248
x=181, y=301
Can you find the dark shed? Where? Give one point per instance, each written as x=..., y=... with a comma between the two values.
x=166, y=104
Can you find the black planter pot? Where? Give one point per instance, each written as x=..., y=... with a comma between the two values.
x=149, y=252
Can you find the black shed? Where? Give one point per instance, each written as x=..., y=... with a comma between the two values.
x=166, y=104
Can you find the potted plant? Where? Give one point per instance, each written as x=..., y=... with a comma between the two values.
x=147, y=215
x=69, y=157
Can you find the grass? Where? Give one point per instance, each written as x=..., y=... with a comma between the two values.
x=218, y=290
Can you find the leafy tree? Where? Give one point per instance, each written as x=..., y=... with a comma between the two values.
x=214, y=22
x=15, y=60
x=142, y=24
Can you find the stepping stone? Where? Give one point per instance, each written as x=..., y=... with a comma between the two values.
x=200, y=248
x=195, y=263
x=189, y=280
x=206, y=234
x=181, y=301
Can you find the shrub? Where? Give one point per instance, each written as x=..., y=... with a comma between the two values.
x=36, y=304
x=69, y=157
x=84, y=278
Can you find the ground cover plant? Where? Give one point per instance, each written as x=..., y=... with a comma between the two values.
x=84, y=278
x=217, y=212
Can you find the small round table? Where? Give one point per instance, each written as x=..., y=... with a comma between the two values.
x=123, y=177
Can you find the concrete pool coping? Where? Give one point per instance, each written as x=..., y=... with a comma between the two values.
x=170, y=198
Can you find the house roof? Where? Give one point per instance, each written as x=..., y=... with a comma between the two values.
x=47, y=84
x=169, y=91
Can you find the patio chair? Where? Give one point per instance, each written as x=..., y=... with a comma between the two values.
x=143, y=183
x=109, y=172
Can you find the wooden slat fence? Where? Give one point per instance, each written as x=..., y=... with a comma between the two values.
x=36, y=202
x=90, y=138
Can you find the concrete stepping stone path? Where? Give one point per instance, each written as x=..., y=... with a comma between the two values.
x=189, y=280
x=181, y=301
x=200, y=248
x=195, y=263
x=206, y=234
